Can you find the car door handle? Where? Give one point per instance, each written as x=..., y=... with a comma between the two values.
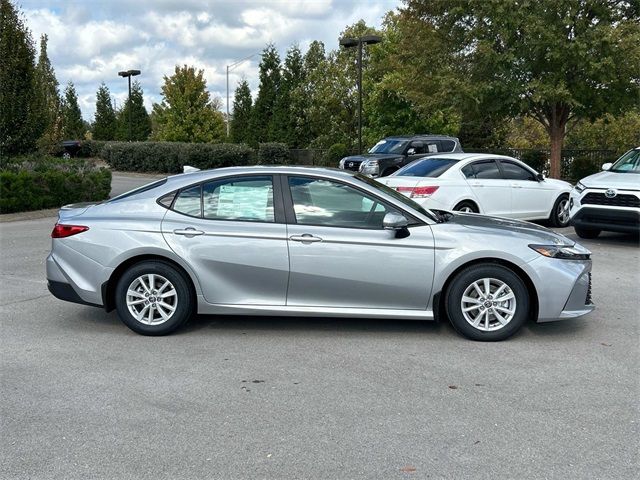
x=305, y=238
x=513, y=185
x=477, y=185
x=188, y=232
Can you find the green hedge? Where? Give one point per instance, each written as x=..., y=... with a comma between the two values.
x=37, y=183
x=273, y=154
x=170, y=157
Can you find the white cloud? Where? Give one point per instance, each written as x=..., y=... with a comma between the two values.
x=90, y=42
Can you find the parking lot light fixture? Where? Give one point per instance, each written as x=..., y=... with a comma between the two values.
x=359, y=42
x=128, y=74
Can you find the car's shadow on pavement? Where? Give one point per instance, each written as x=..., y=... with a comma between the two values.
x=560, y=329
x=287, y=324
x=608, y=238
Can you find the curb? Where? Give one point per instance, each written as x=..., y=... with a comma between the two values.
x=33, y=215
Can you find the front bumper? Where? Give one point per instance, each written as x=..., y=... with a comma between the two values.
x=609, y=219
x=563, y=288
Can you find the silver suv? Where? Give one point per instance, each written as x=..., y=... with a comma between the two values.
x=609, y=200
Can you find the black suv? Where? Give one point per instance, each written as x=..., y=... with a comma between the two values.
x=392, y=153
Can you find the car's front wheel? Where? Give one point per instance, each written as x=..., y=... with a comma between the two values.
x=154, y=298
x=487, y=302
x=560, y=214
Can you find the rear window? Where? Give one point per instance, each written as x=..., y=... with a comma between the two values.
x=429, y=167
x=144, y=188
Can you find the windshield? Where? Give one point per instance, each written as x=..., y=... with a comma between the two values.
x=428, y=167
x=627, y=163
x=389, y=146
x=398, y=196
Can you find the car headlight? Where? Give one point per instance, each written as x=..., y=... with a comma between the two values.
x=579, y=187
x=566, y=252
x=370, y=167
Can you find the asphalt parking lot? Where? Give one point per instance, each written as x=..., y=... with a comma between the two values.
x=241, y=397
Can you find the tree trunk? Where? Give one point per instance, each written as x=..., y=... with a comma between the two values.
x=557, y=127
x=556, y=135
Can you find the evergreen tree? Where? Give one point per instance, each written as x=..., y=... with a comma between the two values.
x=17, y=83
x=242, y=105
x=312, y=123
x=289, y=107
x=47, y=99
x=140, y=120
x=187, y=112
x=72, y=125
x=260, y=125
x=104, y=124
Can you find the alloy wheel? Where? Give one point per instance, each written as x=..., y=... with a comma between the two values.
x=488, y=304
x=151, y=299
x=562, y=211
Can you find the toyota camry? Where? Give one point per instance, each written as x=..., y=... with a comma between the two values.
x=309, y=242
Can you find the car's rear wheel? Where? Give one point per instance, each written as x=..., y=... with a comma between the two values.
x=154, y=298
x=487, y=302
x=587, y=232
x=560, y=214
x=466, y=207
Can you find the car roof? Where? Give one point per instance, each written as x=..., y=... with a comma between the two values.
x=458, y=157
x=419, y=135
x=202, y=175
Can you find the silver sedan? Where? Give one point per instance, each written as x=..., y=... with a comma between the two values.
x=309, y=242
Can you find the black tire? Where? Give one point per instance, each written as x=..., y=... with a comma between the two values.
x=183, y=298
x=556, y=218
x=389, y=171
x=496, y=273
x=587, y=232
x=466, y=205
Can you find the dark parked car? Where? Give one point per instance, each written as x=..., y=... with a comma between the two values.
x=69, y=148
x=392, y=153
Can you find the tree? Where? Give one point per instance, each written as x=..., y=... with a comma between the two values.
x=72, y=125
x=104, y=124
x=187, y=112
x=288, y=108
x=556, y=62
x=17, y=83
x=140, y=120
x=262, y=113
x=47, y=102
x=242, y=104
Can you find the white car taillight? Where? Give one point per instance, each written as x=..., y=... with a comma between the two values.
x=418, y=192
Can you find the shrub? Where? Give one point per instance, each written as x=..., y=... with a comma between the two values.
x=581, y=166
x=170, y=157
x=91, y=148
x=273, y=154
x=33, y=183
x=336, y=152
x=536, y=159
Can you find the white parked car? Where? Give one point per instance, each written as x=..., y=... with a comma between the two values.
x=608, y=200
x=483, y=183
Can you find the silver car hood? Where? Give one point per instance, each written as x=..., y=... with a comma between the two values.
x=517, y=229
x=626, y=181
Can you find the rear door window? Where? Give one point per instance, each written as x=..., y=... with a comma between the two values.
x=483, y=170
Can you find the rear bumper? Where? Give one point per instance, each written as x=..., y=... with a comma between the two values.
x=64, y=291
x=609, y=219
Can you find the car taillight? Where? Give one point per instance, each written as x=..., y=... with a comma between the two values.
x=418, y=192
x=63, y=231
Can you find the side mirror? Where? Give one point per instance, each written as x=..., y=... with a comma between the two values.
x=540, y=177
x=606, y=166
x=411, y=151
x=394, y=221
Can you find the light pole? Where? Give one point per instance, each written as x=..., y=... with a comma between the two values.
x=230, y=69
x=359, y=42
x=129, y=74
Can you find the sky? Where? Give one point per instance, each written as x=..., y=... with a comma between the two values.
x=91, y=40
